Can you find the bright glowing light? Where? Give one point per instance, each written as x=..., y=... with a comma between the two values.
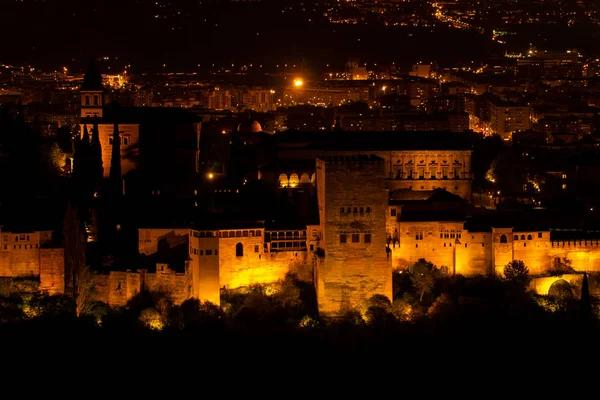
x=298, y=82
x=211, y=175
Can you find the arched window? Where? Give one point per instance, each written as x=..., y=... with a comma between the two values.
x=516, y=237
x=95, y=100
x=529, y=237
x=355, y=210
x=239, y=250
x=362, y=210
x=368, y=209
x=503, y=239
x=87, y=100
x=522, y=237
x=341, y=210
x=348, y=210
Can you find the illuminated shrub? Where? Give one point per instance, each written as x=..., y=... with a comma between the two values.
x=151, y=319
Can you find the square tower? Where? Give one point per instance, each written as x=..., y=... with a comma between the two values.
x=352, y=260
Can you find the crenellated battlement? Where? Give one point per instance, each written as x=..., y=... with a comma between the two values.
x=573, y=244
x=352, y=161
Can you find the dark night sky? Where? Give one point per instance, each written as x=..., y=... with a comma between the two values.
x=52, y=33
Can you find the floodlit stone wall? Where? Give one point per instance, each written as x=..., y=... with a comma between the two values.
x=353, y=207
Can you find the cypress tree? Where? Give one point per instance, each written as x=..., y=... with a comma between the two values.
x=97, y=170
x=80, y=157
x=115, y=161
x=585, y=305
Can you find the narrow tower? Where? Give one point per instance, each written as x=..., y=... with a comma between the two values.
x=92, y=93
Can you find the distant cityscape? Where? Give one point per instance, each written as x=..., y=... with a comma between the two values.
x=324, y=170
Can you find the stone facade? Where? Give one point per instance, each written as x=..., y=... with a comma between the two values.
x=353, y=265
x=426, y=170
x=118, y=287
x=20, y=252
x=52, y=271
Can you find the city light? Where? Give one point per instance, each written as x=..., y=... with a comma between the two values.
x=298, y=82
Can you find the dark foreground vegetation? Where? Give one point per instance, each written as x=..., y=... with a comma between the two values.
x=436, y=324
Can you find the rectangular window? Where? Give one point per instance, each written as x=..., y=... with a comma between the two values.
x=539, y=235
x=343, y=238
x=367, y=238
x=312, y=247
x=125, y=140
x=393, y=212
x=256, y=248
x=355, y=238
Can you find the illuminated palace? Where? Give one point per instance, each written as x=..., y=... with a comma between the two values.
x=382, y=201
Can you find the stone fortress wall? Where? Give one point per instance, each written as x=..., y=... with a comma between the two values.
x=345, y=256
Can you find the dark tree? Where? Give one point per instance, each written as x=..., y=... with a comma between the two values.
x=97, y=170
x=515, y=272
x=115, y=161
x=79, y=279
x=585, y=304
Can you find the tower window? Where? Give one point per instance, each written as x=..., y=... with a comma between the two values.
x=239, y=250
x=343, y=238
x=504, y=240
x=355, y=238
x=393, y=212
x=367, y=238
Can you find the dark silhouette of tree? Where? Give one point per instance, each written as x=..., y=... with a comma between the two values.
x=81, y=161
x=115, y=162
x=562, y=267
x=423, y=276
x=379, y=311
x=585, y=304
x=516, y=273
x=79, y=279
x=96, y=168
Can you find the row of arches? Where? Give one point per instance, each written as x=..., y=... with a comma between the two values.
x=294, y=179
